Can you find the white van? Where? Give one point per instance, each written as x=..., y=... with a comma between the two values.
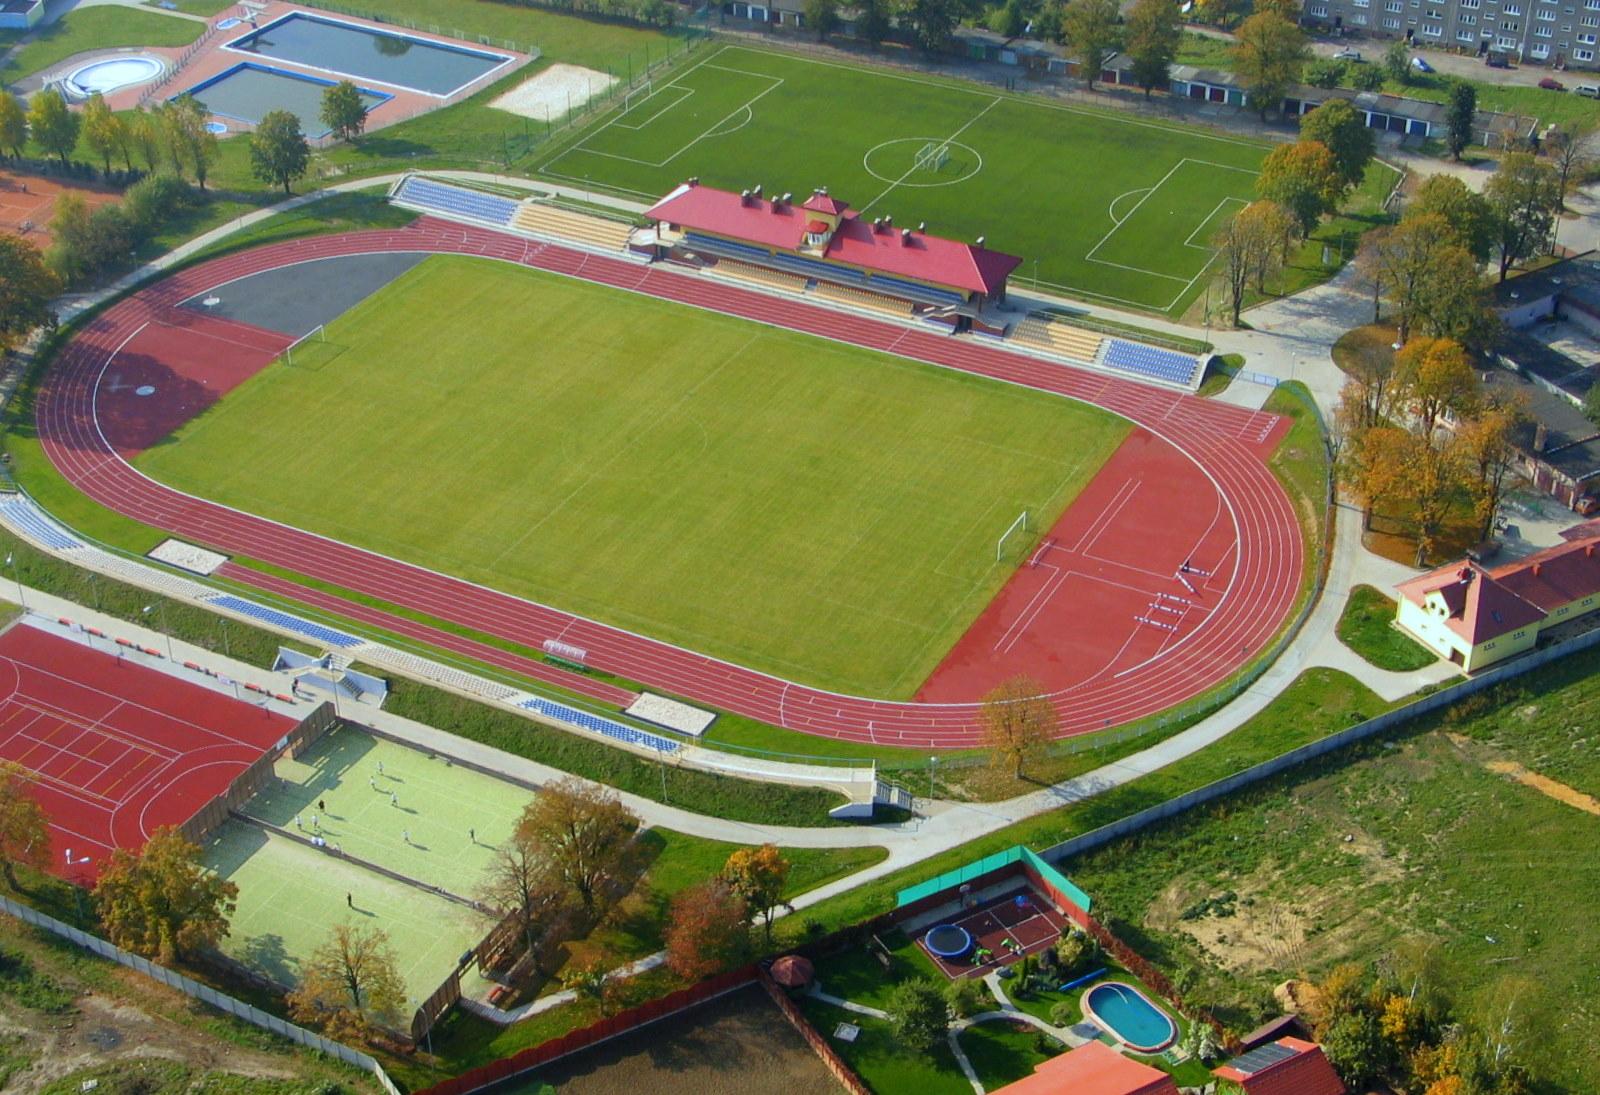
x=1588, y=91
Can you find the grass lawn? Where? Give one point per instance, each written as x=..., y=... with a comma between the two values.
x=886, y=1064
x=1434, y=839
x=1003, y=1051
x=98, y=28
x=207, y=8
x=803, y=507
x=1367, y=627
x=1100, y=205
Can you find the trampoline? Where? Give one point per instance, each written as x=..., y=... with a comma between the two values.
x=948, y=941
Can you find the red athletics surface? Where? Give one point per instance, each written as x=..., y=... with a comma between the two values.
x=175, y=367
x=1032, y=927
x=116, y=750
x=1248, y=596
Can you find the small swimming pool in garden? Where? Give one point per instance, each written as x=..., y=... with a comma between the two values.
x=1128, y=1016
x=112, y=74
x=366, y=53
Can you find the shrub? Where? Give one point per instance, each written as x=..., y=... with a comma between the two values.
x=1324, y=74
x=1366, y=78
x=1064, y=1014
x=966, y=996
x=917, y=1013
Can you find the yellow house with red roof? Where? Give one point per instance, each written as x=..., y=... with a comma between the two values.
x=1476, y=617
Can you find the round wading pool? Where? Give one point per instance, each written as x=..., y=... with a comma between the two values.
x=112, y=74
x=948, y=941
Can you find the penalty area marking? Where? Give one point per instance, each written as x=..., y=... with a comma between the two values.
x=1111, y=210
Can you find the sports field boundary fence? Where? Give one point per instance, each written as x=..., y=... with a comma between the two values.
x=245, y=785
x=207, y=995
x=1389, y=720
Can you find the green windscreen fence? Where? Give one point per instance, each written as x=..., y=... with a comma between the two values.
x=949, y=880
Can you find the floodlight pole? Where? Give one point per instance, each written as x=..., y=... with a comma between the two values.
x=11, y=561
x=933, y=766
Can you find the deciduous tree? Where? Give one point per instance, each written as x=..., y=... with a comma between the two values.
x=26, y=288
x=1465, y=213
x=582, y=830
x=917, y=1013
x=163, y=903
x=1268, y=54
x=1404, y=260
x=1337, y=126
x=1154, y=33
x=1439, y=383
x=103, y=131
x=13, y=124
x=1090, y=28
x=1461, y=109
x=1252, y=246
x=1572, y=151
x=343, y=111
x=1018, y=723
x=54, y=127
x=351, y=985
x=145, y=137
x=872, y=21
x=24, y=828
x=758, y=876
x=1523, y=196
x=279, y=152
x=520, y=880
x=1397, y=62
x=1303, y=178
x=1591, y=403
x=190, y=144
x=708, y=930
x=933, y=22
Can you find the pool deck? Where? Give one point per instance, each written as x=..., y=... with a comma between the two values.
x=209, y=57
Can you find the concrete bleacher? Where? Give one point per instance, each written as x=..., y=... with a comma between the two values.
x=860, y=298
x=309, y=628
x=760, y=275
x=599, y=724
x=1153, y=362
x=1058, y=338
x=456, y=201
x=543, y=219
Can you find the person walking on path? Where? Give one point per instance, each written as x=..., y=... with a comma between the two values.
x=394, y=799
x=405, y=835
x=350, y=901
x=372, y=781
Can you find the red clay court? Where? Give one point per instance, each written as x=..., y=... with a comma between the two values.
x=1032, y=926
x=27, y=202
x=115, y=749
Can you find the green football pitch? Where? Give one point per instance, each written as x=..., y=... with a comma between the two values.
x=786, y=502
x=1098, y=205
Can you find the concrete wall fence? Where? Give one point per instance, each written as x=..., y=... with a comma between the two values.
x=1389, y=720
x=204, y=993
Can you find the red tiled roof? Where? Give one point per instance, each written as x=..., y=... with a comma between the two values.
x=918, y=256
x=817, y=226
x=821, y=203
x=1094, y=1068
x=1480, y=606
x=1555, y=576
x=1306, y=1073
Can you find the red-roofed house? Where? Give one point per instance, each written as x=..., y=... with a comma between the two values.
x=822, y=242
x=1094, y=1068
x=1289, y=1066
x=1476, y=617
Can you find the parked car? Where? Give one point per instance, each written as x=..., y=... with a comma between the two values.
x=1588, y=91
x=1551, y=84
x=1495, y=59
x=1420, y=65
x=1347, y=55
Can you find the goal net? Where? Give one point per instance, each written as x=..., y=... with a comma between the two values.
x=311, y=350
x=932, y=156
x=635, y=96
x=1015, y=536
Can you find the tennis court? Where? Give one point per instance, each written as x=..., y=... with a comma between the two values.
x=291, y=895
x=421, y=816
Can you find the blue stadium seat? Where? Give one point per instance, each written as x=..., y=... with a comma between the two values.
x=35, y=525
x=729, y=248
x=896, y=287
x=458, y=200
x=1168, y=365
x=598, y=724
x=309, y=629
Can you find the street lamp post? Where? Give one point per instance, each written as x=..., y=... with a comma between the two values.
x=933, y=766
x=11, y=561
x=145, y=611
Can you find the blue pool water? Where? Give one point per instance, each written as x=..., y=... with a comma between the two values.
x=363, y=53
x=1126, y=1012
x=248, y=91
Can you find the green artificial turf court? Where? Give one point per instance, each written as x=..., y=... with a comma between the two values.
x=291, y=896
x=455, y=817
x=790, y=503
x=1113, y=207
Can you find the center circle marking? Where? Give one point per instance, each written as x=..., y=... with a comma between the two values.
x=907, y=180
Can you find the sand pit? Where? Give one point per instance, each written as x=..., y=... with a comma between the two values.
x=554, y=92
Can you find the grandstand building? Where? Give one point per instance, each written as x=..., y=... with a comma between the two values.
x=822, y=245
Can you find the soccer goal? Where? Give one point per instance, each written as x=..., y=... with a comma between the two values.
x=1019, y=527
x=311, y=350
x=932, y=156
x=637, y=95
x=302, y=345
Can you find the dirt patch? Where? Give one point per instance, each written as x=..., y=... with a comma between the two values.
x=1550, y=788
x=27, y=202
x=737, y=1044
x=554, y=93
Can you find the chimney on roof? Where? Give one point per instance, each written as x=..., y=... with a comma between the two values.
x=1541, y=437
x=744, y=197
x=787, y=197
x=922, y=226
x=888, y=222
x=980, y=243
x=905, y=237
x=756, y=190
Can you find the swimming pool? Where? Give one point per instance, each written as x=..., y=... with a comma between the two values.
x=247, y=91
x=1127, y=1015
x=111, y=73
x=365, y=53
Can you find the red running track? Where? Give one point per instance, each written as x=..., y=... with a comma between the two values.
x=115, y=750
x=1229, y=444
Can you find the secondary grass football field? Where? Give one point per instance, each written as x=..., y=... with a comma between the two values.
x=793, y=504
x=1116, y=208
